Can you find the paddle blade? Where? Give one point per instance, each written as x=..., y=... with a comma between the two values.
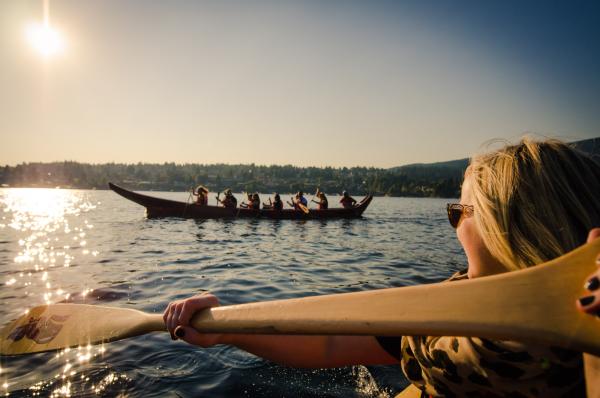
x=303, y=208
x=58, y=326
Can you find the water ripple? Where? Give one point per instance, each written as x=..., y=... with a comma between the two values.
x=94, y=247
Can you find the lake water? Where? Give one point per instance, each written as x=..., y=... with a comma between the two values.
x=96, y=247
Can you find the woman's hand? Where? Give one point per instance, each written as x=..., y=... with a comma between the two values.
x=591, y=303
x=177, y=319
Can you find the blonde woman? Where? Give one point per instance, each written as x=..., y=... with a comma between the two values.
x=520, y=206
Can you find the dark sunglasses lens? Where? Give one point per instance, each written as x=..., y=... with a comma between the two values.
x=454, y=216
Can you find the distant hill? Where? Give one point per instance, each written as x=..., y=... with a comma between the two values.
x=591, y=146
x=451, y=167
x=444, y=178
x=438, y=169
x=449, y=164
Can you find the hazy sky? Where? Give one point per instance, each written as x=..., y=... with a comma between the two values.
x=338, y=83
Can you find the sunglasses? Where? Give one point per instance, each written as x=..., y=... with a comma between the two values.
x=456, y=211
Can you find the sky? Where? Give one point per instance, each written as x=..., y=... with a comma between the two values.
x=308, y=83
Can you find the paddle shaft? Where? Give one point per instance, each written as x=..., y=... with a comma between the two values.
x=536, y=304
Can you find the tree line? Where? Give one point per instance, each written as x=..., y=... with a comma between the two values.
x=416, y=180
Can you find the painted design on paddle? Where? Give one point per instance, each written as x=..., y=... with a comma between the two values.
x=42, y=330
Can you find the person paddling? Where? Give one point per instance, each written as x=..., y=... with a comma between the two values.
x=322, y=203
x=299, y=200
x=275, y=204
x=245, y=205
x=254, y=201
x=229, y=201
x=201, y=193
x=521, y=205
x=347, y=201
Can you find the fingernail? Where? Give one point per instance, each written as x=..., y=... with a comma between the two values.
x=180, y=332
x=584, y=301
x=592, y=284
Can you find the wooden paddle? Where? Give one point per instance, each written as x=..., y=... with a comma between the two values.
x=303, y=208
x=268, y=206
x=533, y=305
x=296, y=204
x=315, y=195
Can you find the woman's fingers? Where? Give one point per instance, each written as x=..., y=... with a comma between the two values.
x=167, y=316
x=590, y=302
x=171, y=315
x=174, y=318
x=192, y=336
x=192, y=305
x=178, y=314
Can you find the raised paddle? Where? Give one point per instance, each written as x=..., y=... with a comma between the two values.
x=268, y=206
x=536, y=305
x=316, y=193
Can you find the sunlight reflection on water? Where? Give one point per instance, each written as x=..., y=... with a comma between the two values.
x=51, y=230
x=43, y=222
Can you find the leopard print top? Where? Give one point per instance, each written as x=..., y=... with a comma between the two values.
x=476, y=367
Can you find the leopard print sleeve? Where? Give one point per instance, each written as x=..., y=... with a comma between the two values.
x=472, y=367
x=476, y=367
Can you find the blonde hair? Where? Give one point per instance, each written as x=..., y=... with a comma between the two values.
x=534, y=201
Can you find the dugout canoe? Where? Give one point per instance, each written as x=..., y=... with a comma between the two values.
x=158, y=207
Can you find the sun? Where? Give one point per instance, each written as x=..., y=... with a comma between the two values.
x=46, y=40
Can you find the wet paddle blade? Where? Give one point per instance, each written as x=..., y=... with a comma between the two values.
x=57, y=326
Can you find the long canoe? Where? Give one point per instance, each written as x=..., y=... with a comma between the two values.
x=158, y=207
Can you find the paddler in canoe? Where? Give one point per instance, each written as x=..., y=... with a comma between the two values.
x=245, y=205
x=254, y=202
x=322, y=203
x=299, y=202
x=229, y=201
x=347, y=201
x=201, y=193
x=520, y=206
x=275, y=204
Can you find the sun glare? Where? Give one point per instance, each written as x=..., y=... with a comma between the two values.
x=46, y=40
